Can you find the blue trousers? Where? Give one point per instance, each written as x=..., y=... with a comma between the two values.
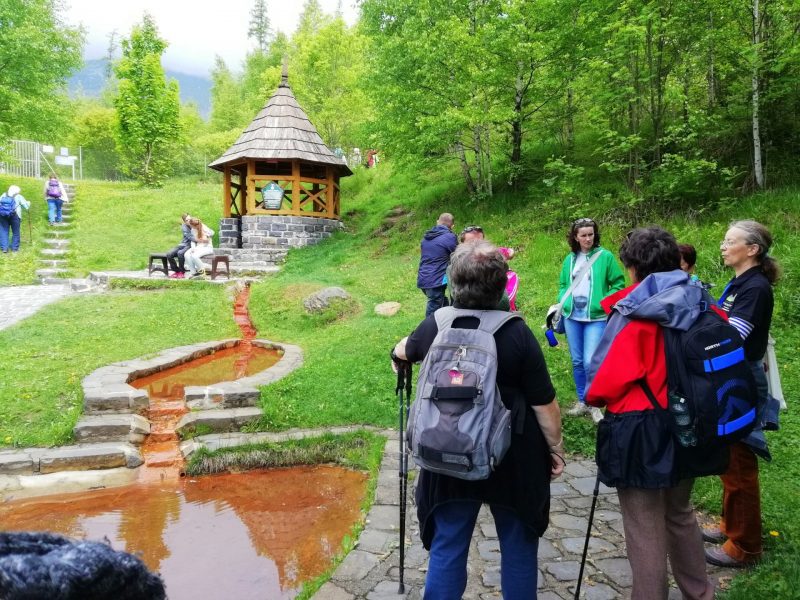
x=11, y=222
x=447, y=566
x=583, y=338
x=54, y=209
x=436, y=299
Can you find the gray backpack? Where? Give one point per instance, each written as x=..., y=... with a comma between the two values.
x=458, y=425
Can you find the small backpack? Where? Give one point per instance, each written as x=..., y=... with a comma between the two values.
x=7, y=205
x=53, y=189
x=712, y=397
x=458, y=424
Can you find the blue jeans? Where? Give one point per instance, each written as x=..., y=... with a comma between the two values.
x=54, y=209
x=583, y=338
x=447, y=567
x=11, y=222
x=436, y=299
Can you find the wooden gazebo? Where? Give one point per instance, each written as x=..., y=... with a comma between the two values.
x=281, y=151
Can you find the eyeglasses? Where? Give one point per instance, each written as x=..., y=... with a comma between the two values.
x=729, y=243
x=471, y=228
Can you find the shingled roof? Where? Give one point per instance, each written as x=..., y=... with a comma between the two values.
x=281, y=131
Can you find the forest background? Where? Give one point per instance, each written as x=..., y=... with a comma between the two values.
x=683, y=101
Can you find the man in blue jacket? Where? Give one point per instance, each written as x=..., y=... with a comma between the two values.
x=437, y=245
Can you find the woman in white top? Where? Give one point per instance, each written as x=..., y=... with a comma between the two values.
x=201, y=246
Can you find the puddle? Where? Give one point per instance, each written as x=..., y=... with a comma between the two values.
x=254, y=535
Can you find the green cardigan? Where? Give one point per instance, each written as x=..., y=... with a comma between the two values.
x=607, y=278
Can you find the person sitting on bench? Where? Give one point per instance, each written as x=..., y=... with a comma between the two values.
x=176, y=256
x=202, y=245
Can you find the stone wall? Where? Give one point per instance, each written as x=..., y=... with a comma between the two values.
x=265, y=231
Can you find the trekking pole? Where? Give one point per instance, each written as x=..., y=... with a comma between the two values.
x=403, y=381
x=588, y=535
x=30, y=230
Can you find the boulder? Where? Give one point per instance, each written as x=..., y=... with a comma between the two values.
x=387, y=309
x=319, y=301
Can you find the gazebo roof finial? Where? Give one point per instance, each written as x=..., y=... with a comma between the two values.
x=285, y=73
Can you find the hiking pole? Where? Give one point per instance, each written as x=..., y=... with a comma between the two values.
x=403, y=381
x=588, y=535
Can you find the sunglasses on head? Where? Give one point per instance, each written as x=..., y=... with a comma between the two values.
x=471, y=228
x=583, y=221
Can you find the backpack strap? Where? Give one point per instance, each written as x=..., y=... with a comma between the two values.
x=488, y=320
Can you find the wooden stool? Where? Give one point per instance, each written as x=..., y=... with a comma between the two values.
x=218, y=259
x=164, y=268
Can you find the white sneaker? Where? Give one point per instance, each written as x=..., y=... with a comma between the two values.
x=597, y=414
x=578, y=410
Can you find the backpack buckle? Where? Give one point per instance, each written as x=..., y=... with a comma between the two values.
x=703, y=306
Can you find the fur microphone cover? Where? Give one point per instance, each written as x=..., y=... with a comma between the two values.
x=35, y=566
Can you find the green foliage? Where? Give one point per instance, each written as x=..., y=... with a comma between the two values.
x=94, y=129
x=38, y=52
x=147, y=106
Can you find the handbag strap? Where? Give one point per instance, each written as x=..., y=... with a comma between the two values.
x=584, y=270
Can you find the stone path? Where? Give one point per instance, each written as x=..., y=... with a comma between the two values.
x=20, y=302
x=371, y=570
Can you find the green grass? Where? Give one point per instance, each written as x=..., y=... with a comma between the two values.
x=346, y=377
x=52, y=351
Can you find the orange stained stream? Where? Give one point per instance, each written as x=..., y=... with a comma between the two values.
x=161, y=450
x=254, y=535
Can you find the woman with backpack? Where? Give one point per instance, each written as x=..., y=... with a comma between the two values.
x=589, y=273
x=637, y=451
x=201, y=246
x=11, y=205
x=55, y=195
x=517, y=490
x=748, y=301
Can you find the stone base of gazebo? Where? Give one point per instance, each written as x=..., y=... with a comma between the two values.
x=254, y=232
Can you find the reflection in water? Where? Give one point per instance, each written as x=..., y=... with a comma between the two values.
x=254, y=535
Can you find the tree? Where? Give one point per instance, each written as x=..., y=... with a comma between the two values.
x=147, y=106
x=259, y=26
x=94, y=128
x=38, y=52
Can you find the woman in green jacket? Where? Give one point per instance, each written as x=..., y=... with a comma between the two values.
x=584, y=319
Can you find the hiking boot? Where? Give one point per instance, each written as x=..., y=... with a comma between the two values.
x=719, y=558
x=713, y=534
x=578, y=410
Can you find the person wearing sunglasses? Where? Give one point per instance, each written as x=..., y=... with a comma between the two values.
x=589, y=273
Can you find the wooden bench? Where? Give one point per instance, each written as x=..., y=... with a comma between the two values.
x=216, y=260
x=164, y=268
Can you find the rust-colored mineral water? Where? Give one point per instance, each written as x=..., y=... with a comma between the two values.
x=259, y=534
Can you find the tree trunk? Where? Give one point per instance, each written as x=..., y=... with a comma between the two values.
x=711, y=75
x=516, y=122
x=569, y=125
x=758, y=171
x=465, y=172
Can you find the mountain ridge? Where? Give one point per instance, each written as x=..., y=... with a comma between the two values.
x=90, y=81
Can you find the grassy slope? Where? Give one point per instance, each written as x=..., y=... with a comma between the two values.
x=346, y=377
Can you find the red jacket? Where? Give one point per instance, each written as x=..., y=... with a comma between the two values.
x=636, y=353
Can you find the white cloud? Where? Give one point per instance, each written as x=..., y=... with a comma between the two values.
x=196, y=30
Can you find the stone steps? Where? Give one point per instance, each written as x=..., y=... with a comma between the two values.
x=57, y=242
x=52, y=273
x=103, y=455
x=54, y=263
x=111, y=428
x=54, y=252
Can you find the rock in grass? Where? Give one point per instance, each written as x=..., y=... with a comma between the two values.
x=387, y=309
x=319, y=301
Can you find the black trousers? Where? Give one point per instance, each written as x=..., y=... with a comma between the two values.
x=178, y=252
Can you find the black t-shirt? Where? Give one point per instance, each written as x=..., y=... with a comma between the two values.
x=522, y=481
x=748, y=300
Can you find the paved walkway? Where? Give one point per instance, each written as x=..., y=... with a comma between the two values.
x=371, y=570
x=20, y=302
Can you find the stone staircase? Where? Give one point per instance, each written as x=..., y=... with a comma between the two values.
x=53, y=261
x=251, y=261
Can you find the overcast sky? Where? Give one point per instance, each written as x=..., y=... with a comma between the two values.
x=196, y=30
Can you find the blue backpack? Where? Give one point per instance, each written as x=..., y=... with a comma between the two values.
x=712, y=398
x=7, y=205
